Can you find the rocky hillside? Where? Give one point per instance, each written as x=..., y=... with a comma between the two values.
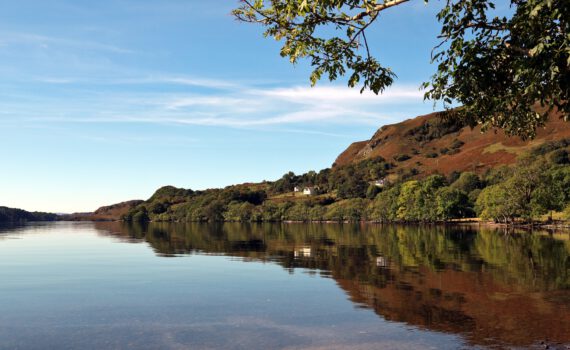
x=428, y=144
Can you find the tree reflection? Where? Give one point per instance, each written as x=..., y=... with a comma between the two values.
x=494, y=288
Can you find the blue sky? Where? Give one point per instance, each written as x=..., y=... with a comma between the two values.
x=105, y=101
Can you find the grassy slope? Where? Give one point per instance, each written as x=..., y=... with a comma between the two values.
x=480, y=152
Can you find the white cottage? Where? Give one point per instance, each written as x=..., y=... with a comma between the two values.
x=382, y=262
x=303, y=252
x=380, y=182
x=309, y=191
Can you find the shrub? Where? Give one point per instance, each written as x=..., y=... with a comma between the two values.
x=566, y=213
x=456, y=144
x=550, y=146
x=401, y=157
x=559, y=157
x=435, y=129
x=372, y=191
x=453, y=176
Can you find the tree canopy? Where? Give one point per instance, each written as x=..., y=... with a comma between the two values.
x=496, y=67
x=537, y=187
x=13, y=215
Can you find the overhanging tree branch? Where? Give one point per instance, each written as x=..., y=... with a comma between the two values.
x=496, y=68
x=377, y=9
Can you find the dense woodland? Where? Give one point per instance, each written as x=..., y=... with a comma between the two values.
x=534, y=188
x=18, y=215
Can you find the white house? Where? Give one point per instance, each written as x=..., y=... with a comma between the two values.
x=382, y=262
x=302, y=252
x=296, y=189
x=309, y=191
x=380, y=182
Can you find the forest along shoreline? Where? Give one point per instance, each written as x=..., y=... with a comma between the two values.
x=533, y=191
x=422, y=170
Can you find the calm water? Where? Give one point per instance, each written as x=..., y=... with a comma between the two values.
x=178, y=286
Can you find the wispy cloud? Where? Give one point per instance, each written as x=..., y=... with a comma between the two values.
x=47, y=42
x=166, y=98
x=149, y=80
x=213, y=83
x=224, y=103
x=50, y=80
x=341, y=94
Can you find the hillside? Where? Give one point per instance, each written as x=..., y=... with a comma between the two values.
x=13, y=215
x=107, y=213
x=427, y=144
x=419, y=170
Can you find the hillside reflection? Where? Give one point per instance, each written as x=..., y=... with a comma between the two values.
x=494, y=289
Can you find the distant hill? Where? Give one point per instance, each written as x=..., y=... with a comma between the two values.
x=420, y=170
x=18, y=215
x=429, y=145
x=107, y=213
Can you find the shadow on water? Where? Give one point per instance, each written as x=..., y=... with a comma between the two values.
x=492, y=288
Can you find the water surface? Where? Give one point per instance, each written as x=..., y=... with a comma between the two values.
x=296, y=286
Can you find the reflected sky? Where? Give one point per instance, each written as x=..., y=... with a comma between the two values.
x=107, y=285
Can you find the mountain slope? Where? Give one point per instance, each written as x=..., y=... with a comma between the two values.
x=429, y=145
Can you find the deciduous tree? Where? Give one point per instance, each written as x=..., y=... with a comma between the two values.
x=496, y=64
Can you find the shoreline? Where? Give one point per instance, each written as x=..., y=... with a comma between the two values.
x=559, y=226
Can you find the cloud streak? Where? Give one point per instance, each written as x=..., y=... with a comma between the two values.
x=84, y=82
x=214, y=103
x=46, y=42
x=343, y=95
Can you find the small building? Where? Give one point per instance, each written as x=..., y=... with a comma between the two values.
x=296, y=189
x=380, y=182
x=302, y=252
x=309, y=191
x=382, y=262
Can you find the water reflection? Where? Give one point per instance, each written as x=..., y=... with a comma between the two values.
x=491, y=287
